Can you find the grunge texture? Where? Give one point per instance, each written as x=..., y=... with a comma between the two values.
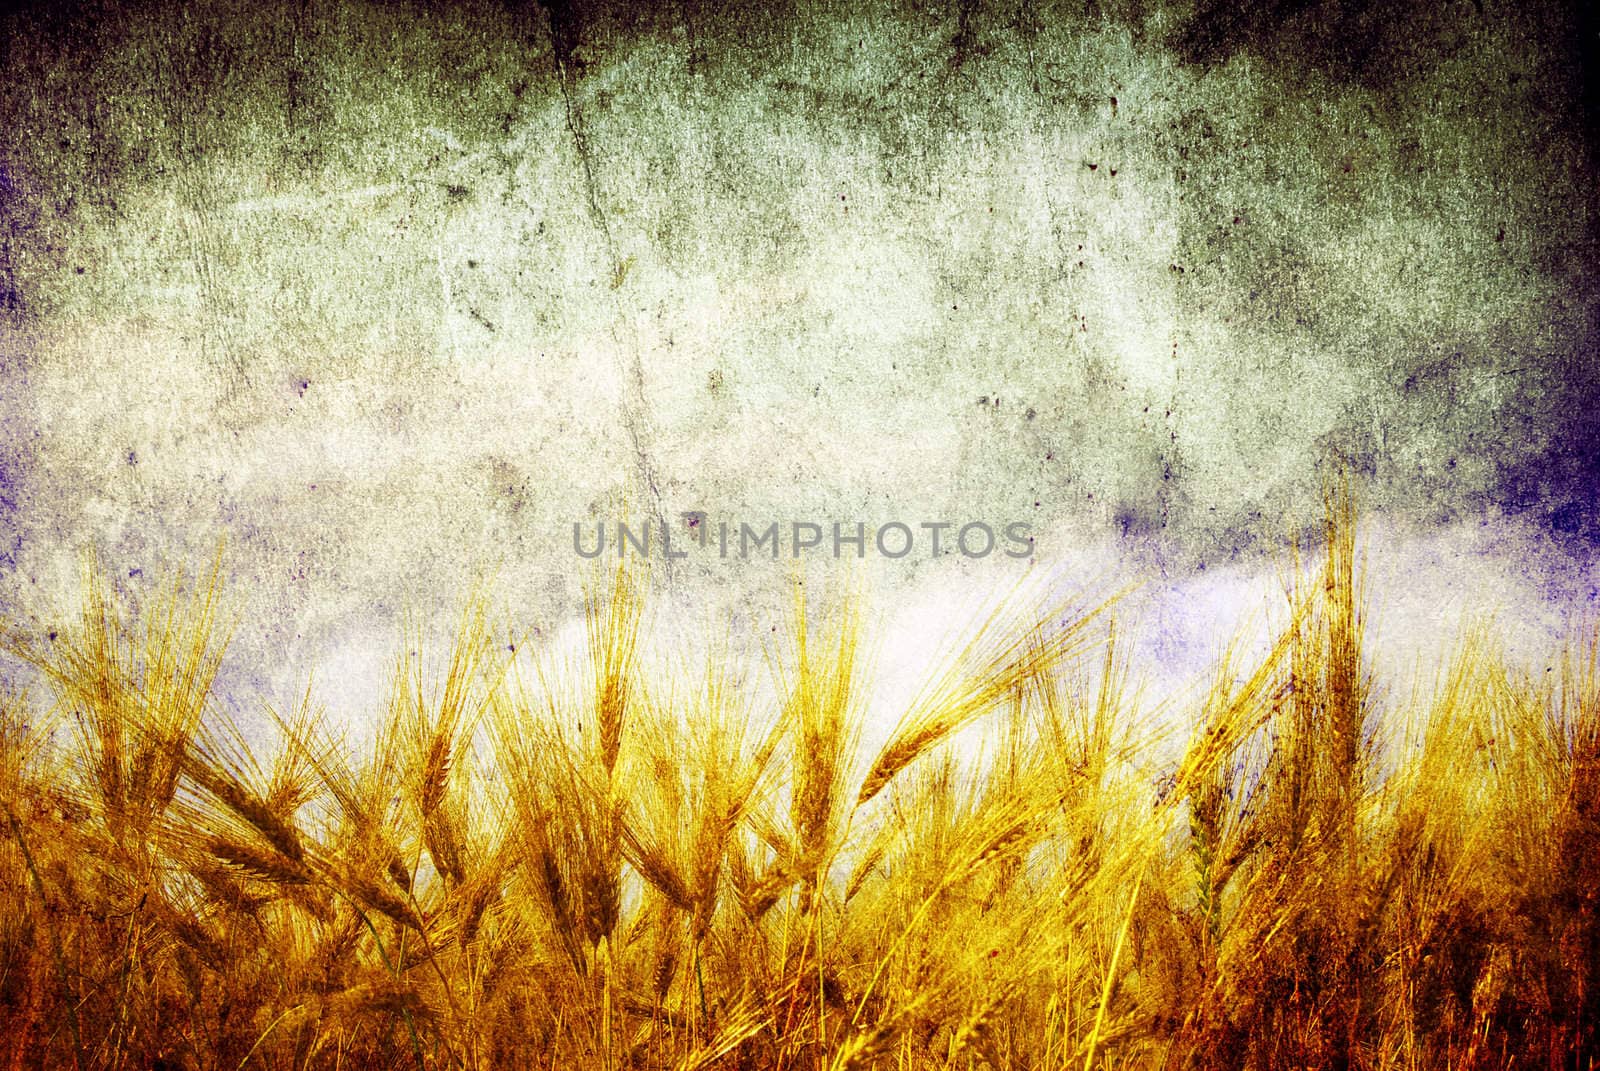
x=389, y=295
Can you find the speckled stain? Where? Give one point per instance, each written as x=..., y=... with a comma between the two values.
x=389, y=295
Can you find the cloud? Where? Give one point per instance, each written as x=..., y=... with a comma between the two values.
x=390, y=298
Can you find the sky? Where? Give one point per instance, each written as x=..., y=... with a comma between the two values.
x=384, y=298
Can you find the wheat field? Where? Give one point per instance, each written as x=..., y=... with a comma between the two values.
x=621, y=868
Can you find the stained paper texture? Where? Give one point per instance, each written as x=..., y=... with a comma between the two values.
x=376, y=305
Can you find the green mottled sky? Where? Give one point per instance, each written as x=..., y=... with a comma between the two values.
x=386, y=295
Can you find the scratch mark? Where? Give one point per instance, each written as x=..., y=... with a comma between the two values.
x=635, y=404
